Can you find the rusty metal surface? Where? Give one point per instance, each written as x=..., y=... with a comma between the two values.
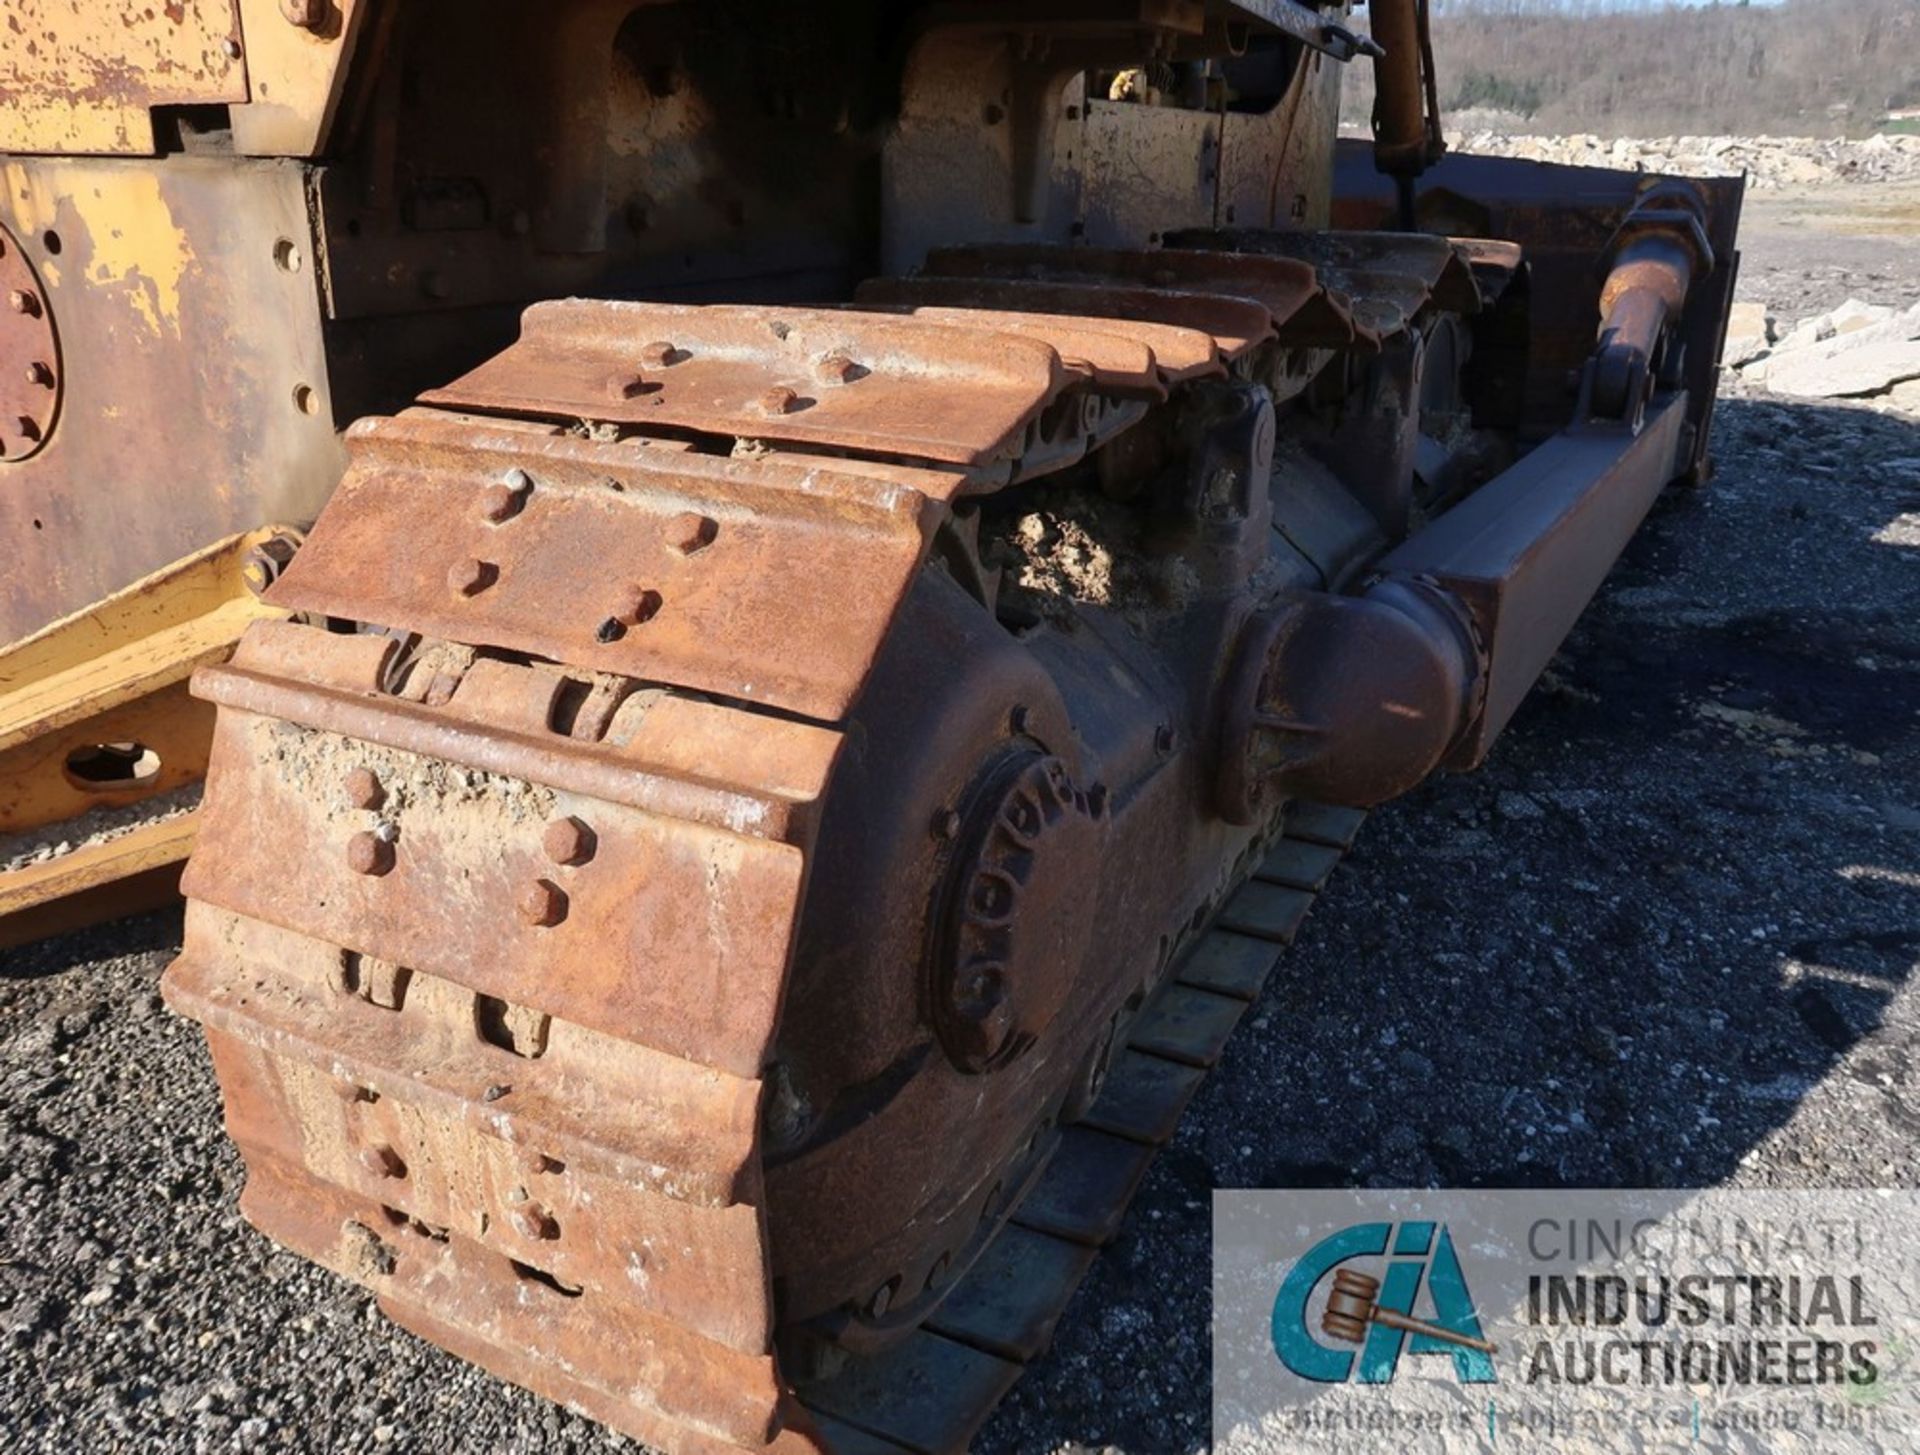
x=83, y=77
x=446, y=863
x=1229, y=326
x=713, y=553
x=1564, y=218
x=1527, y=552
x=823, y=376
x=193, y=375
x=30, y=371
x=1303, y=312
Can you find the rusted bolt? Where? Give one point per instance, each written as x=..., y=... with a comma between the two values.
x=503, y=499
x=610, y=630
x=535, y=1223
x=469, y=577
x=307, y=14
x=368, y=853
x=353, y=1093
x=1018, y=719
x=626, y=385
x=568, y=841
x=946, y=824
x=363, y=789
x=535, y=1164
x=778, y=400
x=21, y=301
x=232, y=48
x=28, y=426
x=659, y=355
x=691, y=531
x=882, y=1300
x=837, y=368
x=639, y=604
x=41, y=374
x=543, y=903
x=383, y=1161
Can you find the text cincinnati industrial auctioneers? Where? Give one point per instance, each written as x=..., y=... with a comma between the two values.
x=1700, y=1328
x=1641, y=1328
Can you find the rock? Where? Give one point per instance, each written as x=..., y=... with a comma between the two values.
x=1865, y=360
x=1749, y=332
x=1906, y=396
x=1518, y=806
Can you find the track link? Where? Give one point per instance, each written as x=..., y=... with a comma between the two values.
x=494, y=909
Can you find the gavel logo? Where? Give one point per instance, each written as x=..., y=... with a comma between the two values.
x=1353, y=1305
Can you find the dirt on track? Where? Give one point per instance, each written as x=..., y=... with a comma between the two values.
x=1667, y=938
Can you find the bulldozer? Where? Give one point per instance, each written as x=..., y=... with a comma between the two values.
x=783, y=609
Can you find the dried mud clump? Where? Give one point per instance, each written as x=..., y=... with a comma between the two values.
x=1083, y=549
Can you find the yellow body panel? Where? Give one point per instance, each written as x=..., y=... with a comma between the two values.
x=82, y=75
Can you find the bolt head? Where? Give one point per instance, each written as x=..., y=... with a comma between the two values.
x=568, y=841
x=21, y=301
x=542, y=903
x=985, y=1019
x=691, y=531
x=363, y=788
x=368, y=853
x=232, y=49
x=383, y=1162
x=498, y=502
x=659, y=354
x=837, y=368
x=881, y=1301
x=469, y=577
x=639, y=604
x=626, y=385
x=946, y=824
x=535, y=1223
x=41, y=374
x=778, y=400
x=307, y=14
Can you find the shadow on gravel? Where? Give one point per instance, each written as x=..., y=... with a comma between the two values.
x=1667, y=938
x=143, y=934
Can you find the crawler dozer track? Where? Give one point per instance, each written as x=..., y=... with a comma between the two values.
x=519, y=922
x=761, y=816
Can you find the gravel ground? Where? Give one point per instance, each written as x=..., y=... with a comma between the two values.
x=1666, y=938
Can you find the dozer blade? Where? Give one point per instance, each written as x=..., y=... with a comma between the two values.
x=102, y=748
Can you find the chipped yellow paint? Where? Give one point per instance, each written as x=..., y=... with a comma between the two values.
x=135, y=243
x=126, y=235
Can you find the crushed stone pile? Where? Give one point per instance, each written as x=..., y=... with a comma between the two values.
x=1772, y=163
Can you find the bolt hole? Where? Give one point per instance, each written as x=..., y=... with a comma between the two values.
x=50, y=240
x=286, y=255
x=112, y=767
x=539, y=1275
x=305, y=400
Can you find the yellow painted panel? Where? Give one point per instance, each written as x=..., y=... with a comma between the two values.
x=80, y=75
